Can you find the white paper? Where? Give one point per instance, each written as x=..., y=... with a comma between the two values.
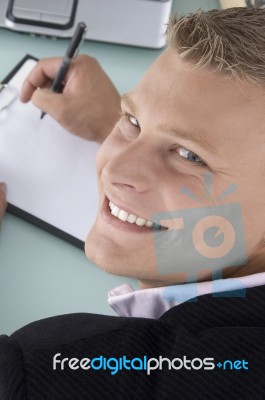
x=49, y=172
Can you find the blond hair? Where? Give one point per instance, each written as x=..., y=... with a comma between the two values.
x=230, y=41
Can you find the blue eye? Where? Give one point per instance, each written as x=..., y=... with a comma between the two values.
x=133, y=121
x=190, y=156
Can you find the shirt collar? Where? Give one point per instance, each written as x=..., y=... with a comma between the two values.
x=152, y=303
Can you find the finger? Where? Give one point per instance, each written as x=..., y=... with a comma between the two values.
x=42, y=74
x=2, y=199
x=49, y=102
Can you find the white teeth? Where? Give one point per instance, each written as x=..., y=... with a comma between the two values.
x=140, y=221
x=124, y=216
x=149, y=224
x=115, y=211
x=132, y=218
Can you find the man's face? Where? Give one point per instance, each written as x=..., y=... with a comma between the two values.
x=178, y=125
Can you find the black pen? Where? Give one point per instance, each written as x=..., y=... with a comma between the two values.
x=71, y=51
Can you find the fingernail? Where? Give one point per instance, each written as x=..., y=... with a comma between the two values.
x=3, y=187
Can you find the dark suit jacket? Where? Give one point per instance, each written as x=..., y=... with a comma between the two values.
x=224, y=328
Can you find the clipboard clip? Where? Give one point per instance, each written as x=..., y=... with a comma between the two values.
x=8, y=94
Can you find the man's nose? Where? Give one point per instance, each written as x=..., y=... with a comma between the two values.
x=133, y=167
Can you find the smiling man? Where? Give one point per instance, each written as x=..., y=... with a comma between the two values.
x=185, y=156
x=181, y=166
x=198, y=112
x=179, y=124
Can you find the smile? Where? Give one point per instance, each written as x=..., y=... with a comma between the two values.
x=131, y=218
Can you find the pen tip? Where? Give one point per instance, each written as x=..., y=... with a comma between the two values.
x=42, y=115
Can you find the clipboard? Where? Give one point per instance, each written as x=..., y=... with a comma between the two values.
x=50, y=173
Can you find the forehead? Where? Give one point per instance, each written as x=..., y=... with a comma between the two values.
x=178, y=81
x=172, y=92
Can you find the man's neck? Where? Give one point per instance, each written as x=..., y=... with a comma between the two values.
x=255, y=265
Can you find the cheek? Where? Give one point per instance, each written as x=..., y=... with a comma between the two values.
x=101, y=158
x=181, y=191
x=104, y=154
x=107, y=150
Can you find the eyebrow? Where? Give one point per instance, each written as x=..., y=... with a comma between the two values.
x=196, y=137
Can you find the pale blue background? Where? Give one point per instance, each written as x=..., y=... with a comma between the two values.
x=41, y=275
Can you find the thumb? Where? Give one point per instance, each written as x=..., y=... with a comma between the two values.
x=49, y=102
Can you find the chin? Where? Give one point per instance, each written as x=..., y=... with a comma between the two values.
x=99, y=251
x=115, y=260
x=109, y=257
x=115, y=264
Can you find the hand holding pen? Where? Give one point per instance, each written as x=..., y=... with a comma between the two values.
x=89, y=105
x=57, y=85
